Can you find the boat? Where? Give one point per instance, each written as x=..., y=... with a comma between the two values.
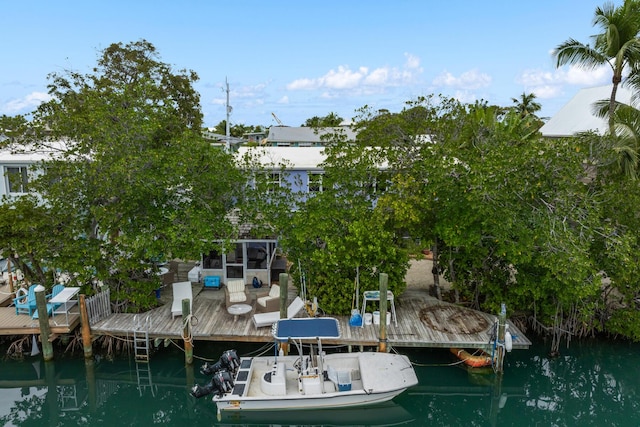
x=305, y=381
x=479, y=360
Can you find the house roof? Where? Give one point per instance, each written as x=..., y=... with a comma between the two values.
x=577, y=115
x=288, y=134
x=301, y=158
x=29, y=154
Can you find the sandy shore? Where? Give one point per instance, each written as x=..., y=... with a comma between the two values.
x=419, y=274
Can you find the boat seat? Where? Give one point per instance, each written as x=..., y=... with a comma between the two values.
x=274, y=383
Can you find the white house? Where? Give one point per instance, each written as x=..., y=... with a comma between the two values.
x=577, y=115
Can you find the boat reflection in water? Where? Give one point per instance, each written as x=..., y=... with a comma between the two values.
x=383, y=414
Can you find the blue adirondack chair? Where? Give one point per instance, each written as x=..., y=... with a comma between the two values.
x=26, y=304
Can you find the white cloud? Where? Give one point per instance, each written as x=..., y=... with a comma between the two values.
x=469, y=80
x=283, y=100
x=363, y=79
x=250, y=94
x=27, y=103
x=549, y=84
x=413, y=62
x=250, y=91
x=465, y=96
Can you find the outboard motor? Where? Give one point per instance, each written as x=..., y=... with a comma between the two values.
x=222, y=383
x=230, y=361
x=199, y=391
x=210, y=369
x=223, y=372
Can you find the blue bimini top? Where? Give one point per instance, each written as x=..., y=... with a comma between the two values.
x=323, y=327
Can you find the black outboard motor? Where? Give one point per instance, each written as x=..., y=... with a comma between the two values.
x=199, y=391
x=210, y=369
x=222, y=382
x=230, y=361
x=223, y=372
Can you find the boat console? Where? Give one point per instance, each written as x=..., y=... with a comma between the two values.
x=274, y=383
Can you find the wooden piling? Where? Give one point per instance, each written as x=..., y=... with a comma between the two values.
x=43, y=320
x=500, y=348
x=384, y=279
x=283, y=281
x=11, y=285
x=86, y=327
x=186, y=331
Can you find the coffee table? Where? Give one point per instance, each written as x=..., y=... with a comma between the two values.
x=239, y=309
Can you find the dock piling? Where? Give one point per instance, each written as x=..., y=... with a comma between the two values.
x=283, y=281
x=86, y=328
x=43, y=320
x=384, y=279
x=500, y=347
x=186, y=331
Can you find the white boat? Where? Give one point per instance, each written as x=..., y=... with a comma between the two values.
x=306, y=381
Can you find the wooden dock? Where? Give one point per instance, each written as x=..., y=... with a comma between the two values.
x=22, y=324
x=423, y=321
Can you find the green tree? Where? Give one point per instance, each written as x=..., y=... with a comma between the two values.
x=237, y=130
x=337, y=236
x=617, y=45
x=526, y=104
x=330, y=120
x=134, y=183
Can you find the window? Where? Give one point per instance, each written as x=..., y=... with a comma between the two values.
x=315, y=183
x=273, y=182
x=17, y=179
x=212, y=260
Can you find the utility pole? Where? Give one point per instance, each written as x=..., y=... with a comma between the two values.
x=228, y=129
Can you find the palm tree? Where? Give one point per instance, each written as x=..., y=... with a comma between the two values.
x=617, y=45
x=526, y=105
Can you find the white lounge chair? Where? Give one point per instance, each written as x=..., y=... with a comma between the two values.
x=268, y=319
x=181, y=290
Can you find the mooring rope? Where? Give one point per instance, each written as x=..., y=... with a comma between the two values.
x=187, y=323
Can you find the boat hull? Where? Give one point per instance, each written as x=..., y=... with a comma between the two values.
x=344, y=399
x=270, y=383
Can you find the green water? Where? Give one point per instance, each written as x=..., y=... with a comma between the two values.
x=590, y=384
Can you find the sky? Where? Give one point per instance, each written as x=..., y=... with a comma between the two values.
x=289, y=60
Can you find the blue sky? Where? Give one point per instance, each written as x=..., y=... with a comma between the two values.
x=303, y=58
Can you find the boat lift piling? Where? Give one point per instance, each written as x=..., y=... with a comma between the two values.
x=500, y=344
x=382, y=346
x=283, y=281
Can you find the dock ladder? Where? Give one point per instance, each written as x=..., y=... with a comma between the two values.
x=141, y=338
x=141, y=347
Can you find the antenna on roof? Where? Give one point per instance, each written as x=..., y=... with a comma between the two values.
x=277, y=119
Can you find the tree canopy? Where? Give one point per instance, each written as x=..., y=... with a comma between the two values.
x=617, y=45
x=134, y=182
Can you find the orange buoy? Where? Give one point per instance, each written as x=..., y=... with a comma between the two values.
x=473, y=360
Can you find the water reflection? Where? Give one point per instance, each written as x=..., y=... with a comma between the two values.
x=590, y=384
